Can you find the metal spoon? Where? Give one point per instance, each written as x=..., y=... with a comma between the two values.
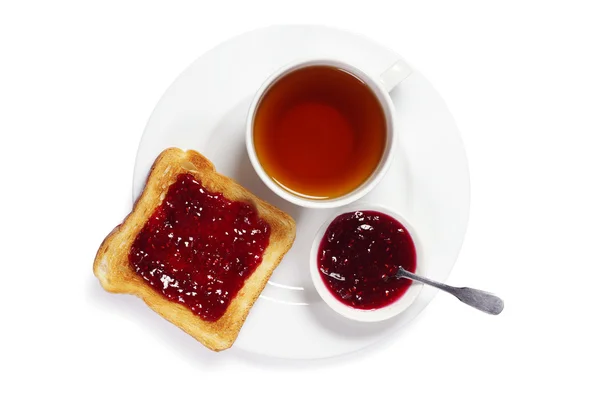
x=479, y=299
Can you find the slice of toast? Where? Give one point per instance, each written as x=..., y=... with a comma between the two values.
x=116, y=275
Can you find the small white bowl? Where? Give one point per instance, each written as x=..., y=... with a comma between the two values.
x=379, y=314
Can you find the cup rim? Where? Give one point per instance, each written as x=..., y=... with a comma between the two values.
x=375, y=177
x=375, y=315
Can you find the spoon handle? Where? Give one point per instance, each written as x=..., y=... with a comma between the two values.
x=479, y=299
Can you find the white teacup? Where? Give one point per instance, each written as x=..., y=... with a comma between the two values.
x=379, y=85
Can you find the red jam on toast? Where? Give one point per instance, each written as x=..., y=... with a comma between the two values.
x=198, y=247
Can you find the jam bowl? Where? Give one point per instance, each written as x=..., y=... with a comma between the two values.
x=354, y=259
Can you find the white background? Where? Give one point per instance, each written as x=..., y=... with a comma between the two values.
x=78, y=81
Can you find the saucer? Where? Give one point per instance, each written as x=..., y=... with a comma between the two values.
x=205, y=109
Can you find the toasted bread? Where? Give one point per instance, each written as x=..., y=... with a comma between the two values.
x=116, y=275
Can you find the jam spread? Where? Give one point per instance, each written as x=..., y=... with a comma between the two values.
x=198, y=247
x=359, y=255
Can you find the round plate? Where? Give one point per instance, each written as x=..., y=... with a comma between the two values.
x=428, y=182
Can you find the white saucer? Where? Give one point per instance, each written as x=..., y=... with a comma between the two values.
x=205, y=109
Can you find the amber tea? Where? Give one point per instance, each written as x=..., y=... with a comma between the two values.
x=319, y=132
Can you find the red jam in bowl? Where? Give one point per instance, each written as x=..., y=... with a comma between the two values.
x=198, y=247
x=359, y=255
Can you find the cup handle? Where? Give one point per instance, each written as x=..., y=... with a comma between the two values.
x=394, y=75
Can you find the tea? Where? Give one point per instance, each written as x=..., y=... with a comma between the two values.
x=319, y=132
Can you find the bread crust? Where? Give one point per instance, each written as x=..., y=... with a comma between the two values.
x=112, y=268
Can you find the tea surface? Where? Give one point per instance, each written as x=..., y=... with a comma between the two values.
x=319, y=132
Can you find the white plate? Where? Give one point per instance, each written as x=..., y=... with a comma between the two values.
x=205, y=109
